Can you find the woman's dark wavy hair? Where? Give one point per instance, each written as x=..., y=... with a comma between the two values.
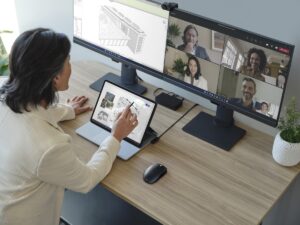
x=188, y=72
x=262, y=56
x=36, y=57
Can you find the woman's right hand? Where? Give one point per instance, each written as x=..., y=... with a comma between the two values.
x=125, y=122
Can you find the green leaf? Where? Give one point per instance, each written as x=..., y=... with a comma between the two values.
x=179, y=65
x=289, y=124
x=173, y=31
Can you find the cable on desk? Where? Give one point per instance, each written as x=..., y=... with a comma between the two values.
x=156, y=91
x=157, y=138
x=139, y=78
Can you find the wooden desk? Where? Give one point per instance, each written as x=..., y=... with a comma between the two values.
x=204, y=185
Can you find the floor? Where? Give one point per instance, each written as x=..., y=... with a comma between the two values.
x=101, y=207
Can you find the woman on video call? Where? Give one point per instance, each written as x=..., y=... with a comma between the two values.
x=37, y=161
x=190, y=43
x=256, y=64
x=193, y=74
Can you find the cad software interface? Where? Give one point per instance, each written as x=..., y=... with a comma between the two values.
x=113, y=100
x=133, y=29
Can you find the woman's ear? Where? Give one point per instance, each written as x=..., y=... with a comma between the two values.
x=56, y=80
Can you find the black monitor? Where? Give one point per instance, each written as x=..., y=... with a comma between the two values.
x=132, y=32
x=235, y=69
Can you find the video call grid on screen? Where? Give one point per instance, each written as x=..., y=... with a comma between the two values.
x=133, y=29
x=113, y=100
x=224, y=64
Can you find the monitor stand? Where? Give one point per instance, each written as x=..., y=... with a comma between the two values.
x=128, y=80
x=217, y=130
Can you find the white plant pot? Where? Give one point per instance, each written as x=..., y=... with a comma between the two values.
x=285, y=153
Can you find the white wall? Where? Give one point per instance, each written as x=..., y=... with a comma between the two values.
x=277, y=19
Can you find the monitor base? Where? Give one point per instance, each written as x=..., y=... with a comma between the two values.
x=203, y=126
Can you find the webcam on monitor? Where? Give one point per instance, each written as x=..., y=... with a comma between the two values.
x=170, y=6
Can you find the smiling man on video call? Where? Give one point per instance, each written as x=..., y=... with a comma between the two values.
x=248, y=90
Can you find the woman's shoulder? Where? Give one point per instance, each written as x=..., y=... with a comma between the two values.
x=202, y=83
x=34, y=124
x=28, y=136
x=243, y=68
x=203, y=79
x=186, y=78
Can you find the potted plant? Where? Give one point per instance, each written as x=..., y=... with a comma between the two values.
x=173, y=32
x=3, y=56
x=286, y=147
x=178, y=66
x=4, y=65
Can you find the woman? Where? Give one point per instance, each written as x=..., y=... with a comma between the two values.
x=36, y=158
x=193, y=74
x=190, y=43
x=256, y=63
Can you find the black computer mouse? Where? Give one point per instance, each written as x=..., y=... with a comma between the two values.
x=154, y=172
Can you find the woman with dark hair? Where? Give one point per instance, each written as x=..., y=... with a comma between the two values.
x=190, y=43
x=256, y=64
x=36, y=158
x=193, y=74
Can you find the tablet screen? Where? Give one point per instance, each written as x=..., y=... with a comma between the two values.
x=113, y=99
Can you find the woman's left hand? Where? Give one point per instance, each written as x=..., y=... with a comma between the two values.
x=78, y=104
